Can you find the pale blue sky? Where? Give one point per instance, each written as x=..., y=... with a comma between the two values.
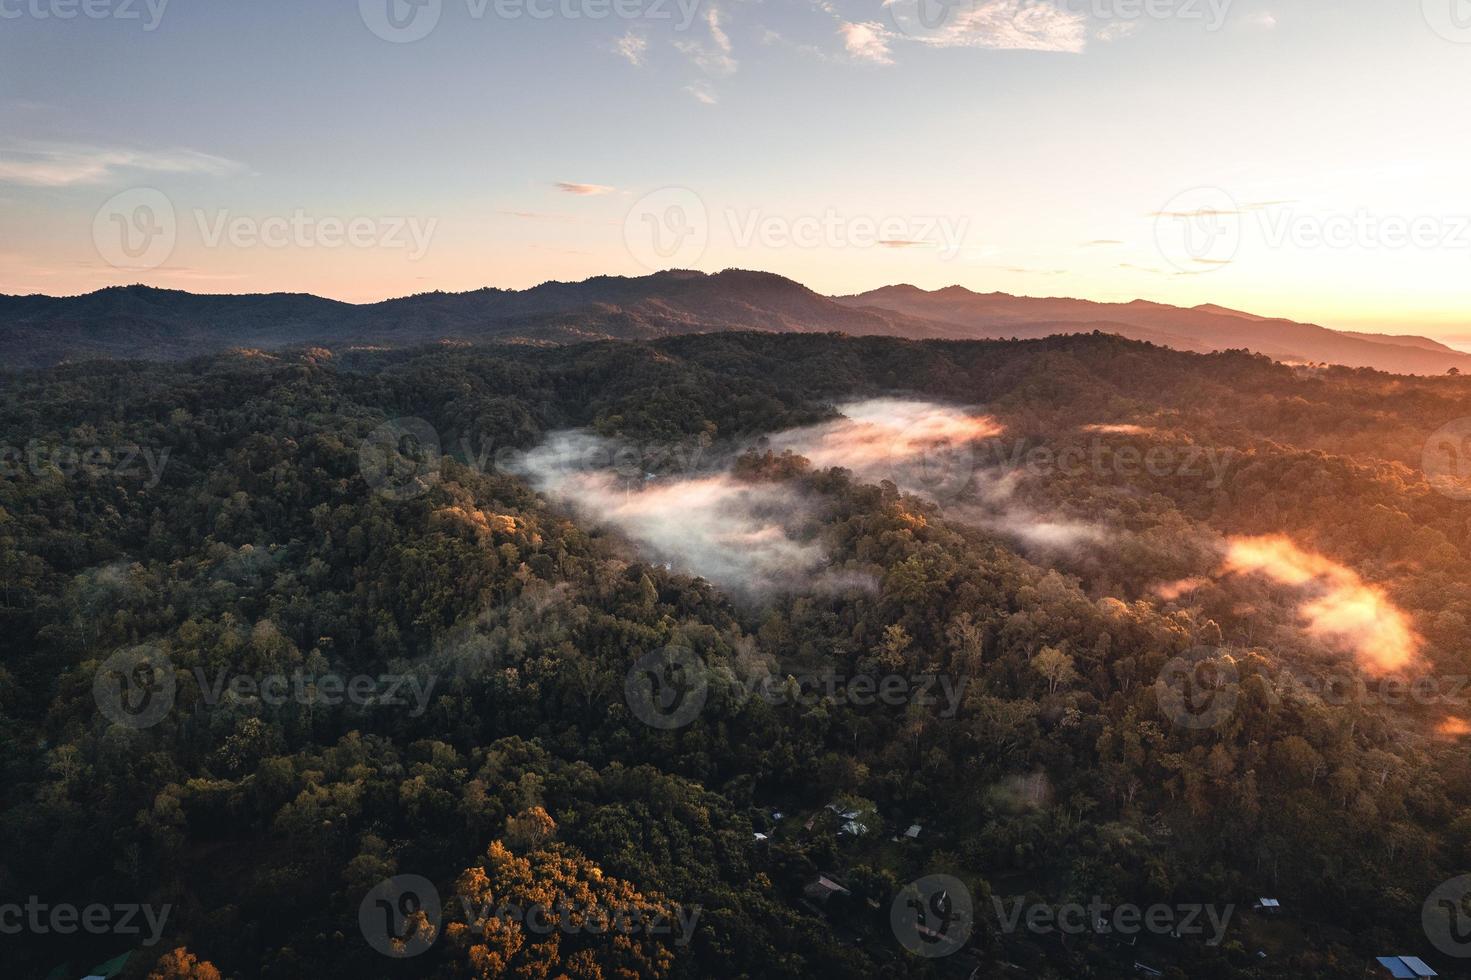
x=821, y=139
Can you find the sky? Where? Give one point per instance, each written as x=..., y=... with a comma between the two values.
x=1299, y=158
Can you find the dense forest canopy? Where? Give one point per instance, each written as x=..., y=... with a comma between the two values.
x=317, y=658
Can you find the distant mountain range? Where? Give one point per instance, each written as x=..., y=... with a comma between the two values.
x=161, y=324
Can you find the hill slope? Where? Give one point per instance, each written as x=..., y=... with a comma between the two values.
x=159, y=324
x=1202, y=328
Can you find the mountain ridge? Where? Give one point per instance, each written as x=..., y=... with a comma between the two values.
x=152, y=323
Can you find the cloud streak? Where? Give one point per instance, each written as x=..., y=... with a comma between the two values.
x=753, y=536
x=632, y=47
x=582, y=190
x=70, y=166
x=1338, y=607
x=1006, y=25
x=867, y=42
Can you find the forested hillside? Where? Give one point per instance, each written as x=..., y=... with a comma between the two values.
x=1080, y=523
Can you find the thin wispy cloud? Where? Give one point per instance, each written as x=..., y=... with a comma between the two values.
x=715, y=56
x=1217, y=212
x=1023, y=271
x=702, y=92
x=1117, y=30
x=582, y=190
x=632, y=47
x=1100, y=242
x=1006, y=25
x=867, y=42
x=70, y=166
